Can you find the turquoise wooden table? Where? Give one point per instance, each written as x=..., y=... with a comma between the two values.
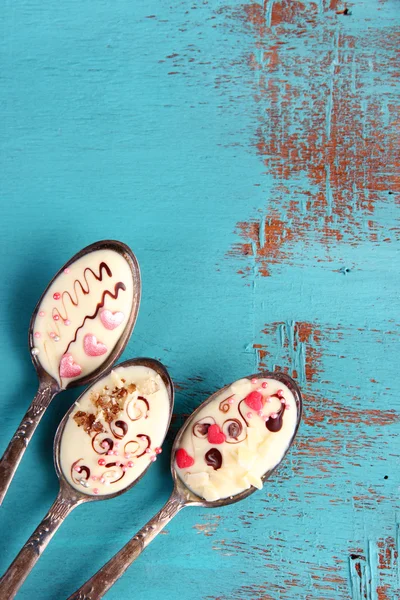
x=247, y=154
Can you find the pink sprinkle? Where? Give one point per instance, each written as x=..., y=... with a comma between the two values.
x=268, y=399
x=127, y=454
x=158, y=450
x=153, y=458
x=260, y=413
x=94, y=477
x=148, y=450
x=110, y=452
x=279, y=393
x=124, y=468
x=41, y=313
x=249, y=415
x=37, y=334
x=76, y=468
x=56, y=317
x=118, y=463
x=101, y=462
x=266, y=418
x=254, y=381
x=102, y=480
x=56, y=296
x=283, y=401
x=116, y=445
x=95, y=491
x=115, y=452
x=67, y=270
x=130, y=464
x=67, y=322
x=52, y=334
x=264, y=384
x=273, y=416
x=230, y=401
x=287, y=406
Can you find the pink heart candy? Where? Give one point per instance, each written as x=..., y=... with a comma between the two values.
x=92, y=347
x=111, y=320
x=69, y=368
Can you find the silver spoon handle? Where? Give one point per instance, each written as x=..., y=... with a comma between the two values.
x=105, y=578
x=24, y=562
x=19, y=442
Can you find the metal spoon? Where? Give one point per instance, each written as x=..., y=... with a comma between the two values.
x=49, y=387
x=68, y=497
x=181, y=497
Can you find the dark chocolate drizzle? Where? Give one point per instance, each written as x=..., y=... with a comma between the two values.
x=224, y=405
x=146, y=403
x=148, y=439
x=107, y=440
x=275, y=425
x=122, y=425
x=118, y=286
x=109, y=466
x=141, y=413
x=213, y=458
x=241, y=414
x=200, y=428
x=85, y=290
x=81, y=469
x=232, y=428
x=130, y=451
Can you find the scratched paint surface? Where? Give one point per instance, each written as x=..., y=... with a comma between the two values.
x=247, y=153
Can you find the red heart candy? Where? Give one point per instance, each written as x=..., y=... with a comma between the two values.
x=215, y=435
x=254, y=401
x=183, y=459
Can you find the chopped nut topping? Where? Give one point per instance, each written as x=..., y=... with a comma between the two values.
x=109, y=405
x=88, y=422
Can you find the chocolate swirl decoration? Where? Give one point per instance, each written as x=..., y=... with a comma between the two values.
x=224, y=405
x=233, y=429
x=101, y=444
x=275, y=425
x=114, y=472
x=79, y=470
x=213, y=458
x=139, y=446
x=200, y=428
x=145, y=438
x=142, y=409
x=123, y=429
x=131, y=447
x=241, y=414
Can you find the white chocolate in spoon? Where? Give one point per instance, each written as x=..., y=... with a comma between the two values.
x=115, y=431
x=83, y=315
x=237, y=438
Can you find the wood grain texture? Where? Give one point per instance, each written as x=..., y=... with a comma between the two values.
x=248, y=153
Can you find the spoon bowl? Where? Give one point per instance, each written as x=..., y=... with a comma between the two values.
x=187, y=494
x=67, y=319
x=69, y=496
x=181, y=497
